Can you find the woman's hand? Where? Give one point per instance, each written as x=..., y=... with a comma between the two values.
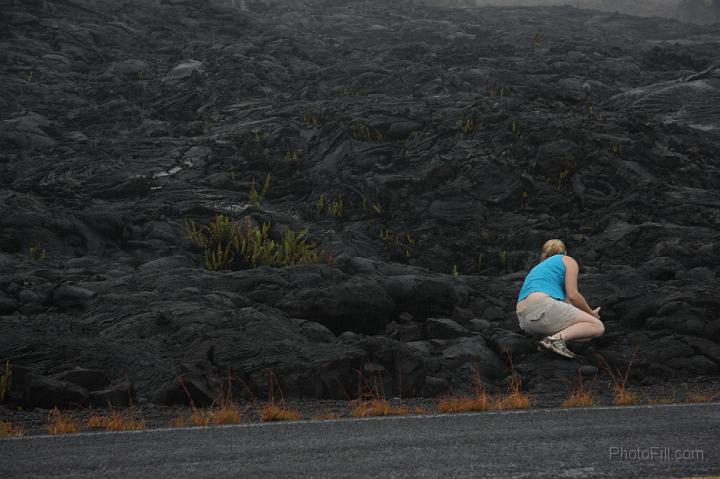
x=596, y=312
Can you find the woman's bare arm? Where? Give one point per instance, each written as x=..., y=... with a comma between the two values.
x=571, y=289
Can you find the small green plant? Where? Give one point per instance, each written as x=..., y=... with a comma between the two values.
x=336, y=207
x=5, y=381
x=563, y=177
x=320, y=204
x=291, y=155
x=312, y=119
x=377, y=208
x=455, y=271
x=141, y=75
x=514, y=128
x=217, y=258
x=360, y=131
x=206, y=126
x=616, y=150
x=37, y=253
x=231, y=245
x=257, y=196
x=503, y=258
x=29, y=76
x=468, y=125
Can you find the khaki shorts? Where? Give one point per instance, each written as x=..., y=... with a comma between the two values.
x=546, y=316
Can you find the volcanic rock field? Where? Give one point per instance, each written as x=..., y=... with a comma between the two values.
x=420, y=155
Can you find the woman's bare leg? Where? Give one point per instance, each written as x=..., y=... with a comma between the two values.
x=585, y=328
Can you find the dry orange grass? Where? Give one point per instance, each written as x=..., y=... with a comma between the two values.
x=453, y=404
x=228, y=413
x=116, y=421
x=199, y=417
x=618, y=380
x=623, y=397
x=376, y=407
x=326, y=415
x=275, y=412
x=9, y=430
x=579, y=399
x=579, y=396
x=662, y=400
x=700, y=397
x=59, y=423
x=179, y=421
x=515, y=398
x=421, y=410
x=478, y=402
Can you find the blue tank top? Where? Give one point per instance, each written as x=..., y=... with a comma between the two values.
x=546, y=277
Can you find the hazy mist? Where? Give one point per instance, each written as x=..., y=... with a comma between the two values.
x=696, y=11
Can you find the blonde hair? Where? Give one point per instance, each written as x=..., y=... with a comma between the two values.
x=552, y=247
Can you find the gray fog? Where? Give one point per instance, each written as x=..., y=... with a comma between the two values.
x=692, y=11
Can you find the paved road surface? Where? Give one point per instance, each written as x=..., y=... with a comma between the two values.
x=552, y=443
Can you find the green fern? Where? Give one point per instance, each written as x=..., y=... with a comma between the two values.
x=231, y=245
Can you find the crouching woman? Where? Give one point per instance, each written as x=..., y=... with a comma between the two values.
x=551, y=307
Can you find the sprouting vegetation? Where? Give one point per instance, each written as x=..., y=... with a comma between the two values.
x=404, y=243
x=291, y=155
x=503, y=256
x=563, y=178
x=455, y=271
x=257, y=196
x=360, y=131
x=235, y=245
x=468, y=125
x=312, y=119
x=336, y=208
x=37, y=253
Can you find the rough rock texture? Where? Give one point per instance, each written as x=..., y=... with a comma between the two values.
x=459, y=140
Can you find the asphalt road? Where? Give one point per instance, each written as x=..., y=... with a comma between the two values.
x=596, y=442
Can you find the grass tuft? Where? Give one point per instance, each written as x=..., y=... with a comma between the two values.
x=376, y=407
x=59, y=423
x=700, y=397
x=234, y=245
x=618, y=383
x=116, y=421
x=515, y=398
x=579, y=396
x=326, y=415
x=275, y=412
x=9, y=430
